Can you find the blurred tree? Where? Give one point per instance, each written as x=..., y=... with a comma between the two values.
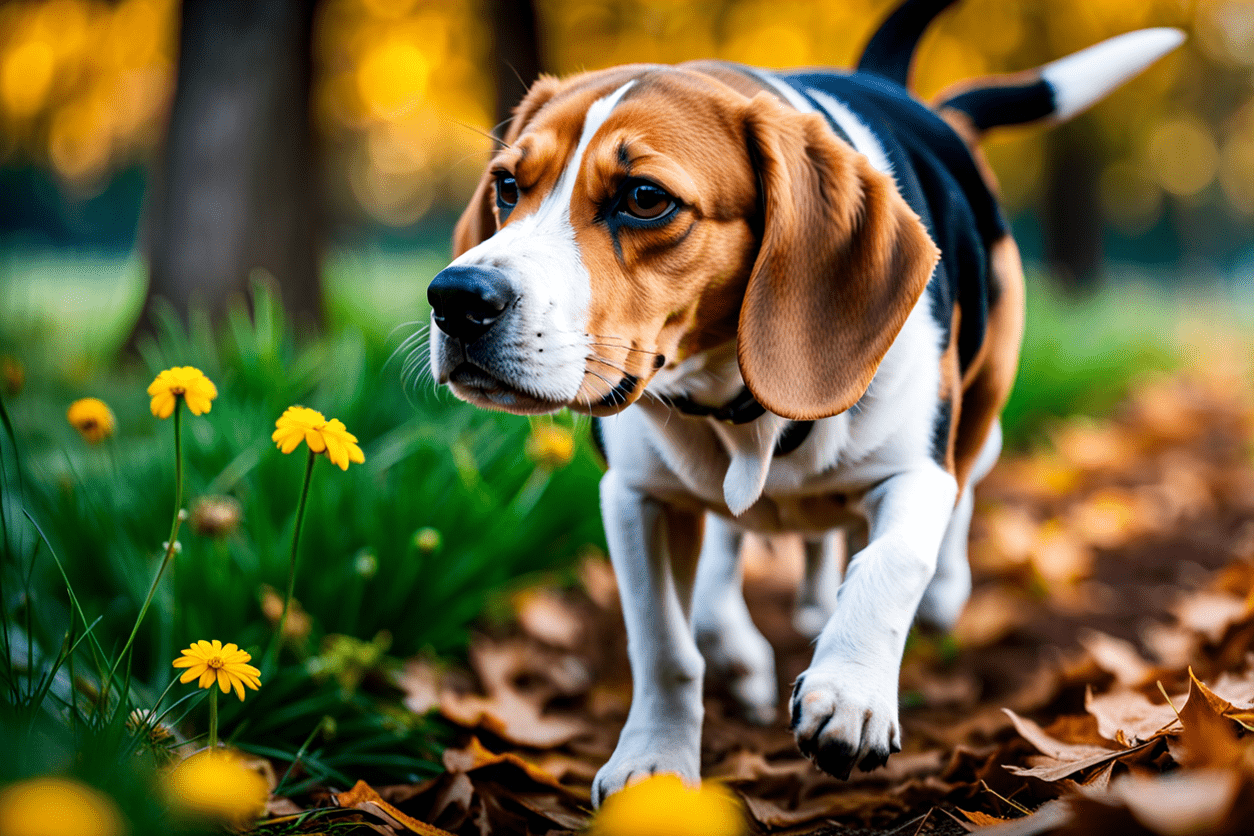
x=1071, y=211
x=516, y=59
x=236, y=187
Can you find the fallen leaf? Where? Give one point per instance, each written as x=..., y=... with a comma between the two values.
x=1180, y=803
x=546, y=615
x=1210, y=613
x=363, y=797
x=1118, y=658
x=1128, y=712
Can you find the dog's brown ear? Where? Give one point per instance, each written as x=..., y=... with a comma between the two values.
x=842, y=262
x=478, y=221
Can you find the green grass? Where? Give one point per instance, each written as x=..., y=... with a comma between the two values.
x=1081, y=354
x=103, y=512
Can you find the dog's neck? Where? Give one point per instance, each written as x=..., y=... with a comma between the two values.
x=712, y=378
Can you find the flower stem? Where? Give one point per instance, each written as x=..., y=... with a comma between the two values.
x=291, y=568
x=170, y=545
x=213, y=717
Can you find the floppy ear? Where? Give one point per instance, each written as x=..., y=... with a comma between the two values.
x=842, y=262
x=478, y=221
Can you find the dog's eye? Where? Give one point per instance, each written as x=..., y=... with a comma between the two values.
x=506, y=190
x=647, y=202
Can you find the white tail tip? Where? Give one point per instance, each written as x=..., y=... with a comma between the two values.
x=1081, y=79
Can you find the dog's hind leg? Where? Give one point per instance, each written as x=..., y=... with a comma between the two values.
x=654, y=549
x=825, y=559
x=947, y=594
x=738, y=659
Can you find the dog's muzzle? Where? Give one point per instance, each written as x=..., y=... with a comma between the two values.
x=467, y=300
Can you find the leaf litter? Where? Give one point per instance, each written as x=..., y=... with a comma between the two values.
x=1101, y=680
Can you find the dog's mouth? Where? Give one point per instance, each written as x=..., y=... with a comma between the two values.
x=473, y=383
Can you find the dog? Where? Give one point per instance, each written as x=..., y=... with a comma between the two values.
x=797, y=298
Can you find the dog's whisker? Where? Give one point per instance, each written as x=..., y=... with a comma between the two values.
x=595, y=359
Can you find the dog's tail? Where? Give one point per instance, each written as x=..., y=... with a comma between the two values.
x=890, y=51
x=1060, y=89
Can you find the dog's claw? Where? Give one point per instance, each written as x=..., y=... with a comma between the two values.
x=843, y=719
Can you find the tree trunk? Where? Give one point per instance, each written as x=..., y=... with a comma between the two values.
x=236, y=190
x=1071, y=212
x=516, y=54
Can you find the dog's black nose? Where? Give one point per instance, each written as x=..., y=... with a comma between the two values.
x=467, y=300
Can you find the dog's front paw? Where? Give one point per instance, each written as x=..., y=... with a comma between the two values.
x=845, y=715
x=641, y=754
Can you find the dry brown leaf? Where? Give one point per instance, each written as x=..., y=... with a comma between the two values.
x=1118, y=658
x=1061, y=557
x=597, y=577
x=1180, y=803
x=1108, y=518
x=511, y=717
x=1092, y=445
x=1208, y=738
x=547, y=616
x=1210, y=613
x=993, y=612
x=1047, y=818
x=363, y=797
x=981, y=819
x=420, y=681
x=1128, y=712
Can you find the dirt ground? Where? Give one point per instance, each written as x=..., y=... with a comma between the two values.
x=1108, y=563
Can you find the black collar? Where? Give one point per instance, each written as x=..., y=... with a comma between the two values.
x=741, y=410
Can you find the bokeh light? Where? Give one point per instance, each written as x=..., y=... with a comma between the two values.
x=403, y=90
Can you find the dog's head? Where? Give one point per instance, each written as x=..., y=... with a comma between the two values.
x=641, y=214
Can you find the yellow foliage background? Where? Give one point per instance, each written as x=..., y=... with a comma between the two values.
x=404, y=87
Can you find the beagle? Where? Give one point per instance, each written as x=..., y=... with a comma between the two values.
x=793, y=305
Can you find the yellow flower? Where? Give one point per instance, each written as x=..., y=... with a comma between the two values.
x=663, y=805
x=57, y=807
x=299, y=423
x=550, y=445
x=228, y=666
x=92, y=418
x=218, y=784
x=184, y=382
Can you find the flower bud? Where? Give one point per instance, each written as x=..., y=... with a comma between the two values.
x=427, y=540
x=216, y=516
x=366, y=564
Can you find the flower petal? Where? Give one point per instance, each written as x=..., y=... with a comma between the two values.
x=239, y=688
x=190, y=674
x=207, y=678
x=186, y=661
x=197, y=403
x=355, y=454
x=314, y=439
x=336, y=452
x=224, y=681
x=163, y=405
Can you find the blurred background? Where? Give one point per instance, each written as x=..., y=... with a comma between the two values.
x=263, y=188
x=180, y=147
